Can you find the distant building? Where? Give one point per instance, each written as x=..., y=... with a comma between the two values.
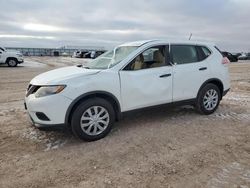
x=89, y=48
x=65, y=50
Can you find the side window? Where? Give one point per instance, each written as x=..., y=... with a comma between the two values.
x=150, y=58
x=182, y=54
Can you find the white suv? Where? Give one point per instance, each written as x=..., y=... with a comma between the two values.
x=90, y=98
x=11, y=58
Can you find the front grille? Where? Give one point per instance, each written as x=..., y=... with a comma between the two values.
x=32, y=89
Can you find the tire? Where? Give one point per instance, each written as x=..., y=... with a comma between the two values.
x=12, y=62
x=92, y=119
x=208, y=99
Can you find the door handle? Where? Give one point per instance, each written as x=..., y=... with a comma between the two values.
x=165, y=75
x=202, y=68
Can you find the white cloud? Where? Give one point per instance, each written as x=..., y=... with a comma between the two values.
x=41, y=27
x=27, y=37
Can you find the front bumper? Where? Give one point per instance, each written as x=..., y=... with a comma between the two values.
x=20, y=60
x=47, y=111
x=39, y=125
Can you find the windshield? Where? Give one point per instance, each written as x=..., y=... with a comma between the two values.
x=111, y=58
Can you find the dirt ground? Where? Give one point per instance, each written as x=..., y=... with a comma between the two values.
x=162, y=147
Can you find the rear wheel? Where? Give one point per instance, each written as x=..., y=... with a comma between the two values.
x=208, y=99
x=12, y=62
x=93, y=119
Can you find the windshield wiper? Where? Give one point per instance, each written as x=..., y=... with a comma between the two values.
x=80, y=65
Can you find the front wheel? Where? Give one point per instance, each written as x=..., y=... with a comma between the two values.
x=208, y=99
x=12, y=62
x=93, y=119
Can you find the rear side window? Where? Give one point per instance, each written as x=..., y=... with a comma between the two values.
x=183, y=54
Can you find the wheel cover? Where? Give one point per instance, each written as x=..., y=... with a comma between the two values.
x=210, y=99
x=94, y=120
x=12, y=62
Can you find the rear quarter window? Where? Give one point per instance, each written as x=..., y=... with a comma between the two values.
x=204, y=52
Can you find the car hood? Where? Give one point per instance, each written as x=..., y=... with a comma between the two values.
x=59, y=76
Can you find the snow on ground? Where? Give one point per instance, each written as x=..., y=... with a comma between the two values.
x=153, y=148
x=230, y=176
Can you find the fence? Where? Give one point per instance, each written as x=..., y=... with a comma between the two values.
x=48, y=51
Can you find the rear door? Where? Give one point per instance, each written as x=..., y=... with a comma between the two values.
x=190, y=70
x=147, y=80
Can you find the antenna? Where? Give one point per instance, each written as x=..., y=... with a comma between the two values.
x=191, y=34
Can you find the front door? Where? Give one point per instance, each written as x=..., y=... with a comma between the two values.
x=147, y=80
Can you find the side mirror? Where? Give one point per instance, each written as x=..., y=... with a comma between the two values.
x=173, y=63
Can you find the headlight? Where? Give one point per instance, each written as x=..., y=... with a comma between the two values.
x=49, y=90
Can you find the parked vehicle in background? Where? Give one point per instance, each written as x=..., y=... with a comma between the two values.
x=236, y=54
x=231, y=57
x=243, y=56
x=95, y=54
x=65, y=54
x=12, y=58
x=248, y=55
x=79, y=53
x=88, y=54
x=90, y=98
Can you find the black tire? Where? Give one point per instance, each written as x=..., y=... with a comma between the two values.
x=12, y=62
x=81, y=109
x=200, y=106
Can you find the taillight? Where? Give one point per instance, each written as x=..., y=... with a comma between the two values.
x=225, y=61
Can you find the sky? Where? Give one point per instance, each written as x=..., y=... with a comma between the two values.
x=56, y=23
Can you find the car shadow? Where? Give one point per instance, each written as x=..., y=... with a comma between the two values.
x=6, y=66
x=155, y=114
x=130, y=120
